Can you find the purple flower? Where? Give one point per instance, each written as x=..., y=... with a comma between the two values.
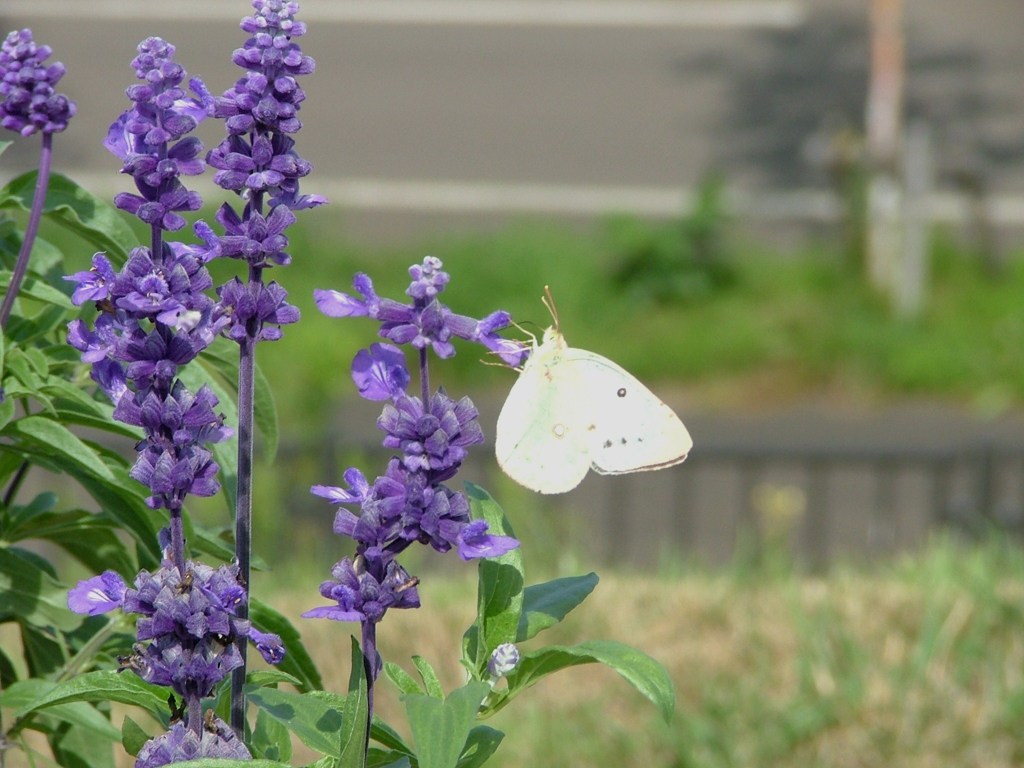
x=159, y=205
x=409, y=503
x=28, y=101
x=269, y=93
x=250, y=305
x=357, y=483
x=258, y=240
x=149, y=137
x=433, y=439
x=172, y=474
x=474, y=542
x=380, y=373
x=180, y=744
x=191, y=622
x=97, y=595
x=359, y=595
x=258, y=156
x=426, y=322
x=269, y=645
x=92, y=284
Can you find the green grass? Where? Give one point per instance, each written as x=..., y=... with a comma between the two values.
x=915, y=662
x=789, y=323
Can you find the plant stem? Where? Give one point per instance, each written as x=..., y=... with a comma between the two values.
x=243, y=503
x=177, y=529
x=424, y=379
x=34, y=217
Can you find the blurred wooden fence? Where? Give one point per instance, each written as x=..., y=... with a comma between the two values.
x=817, y=499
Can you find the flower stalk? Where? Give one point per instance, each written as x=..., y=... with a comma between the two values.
x=257, y=161
x=431, y=435
x=154, y=318
x=29, y=104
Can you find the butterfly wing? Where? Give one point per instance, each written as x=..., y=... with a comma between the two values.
x=538, y=441
x=628, y=428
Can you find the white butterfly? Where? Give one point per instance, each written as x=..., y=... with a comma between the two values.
x=572, y=410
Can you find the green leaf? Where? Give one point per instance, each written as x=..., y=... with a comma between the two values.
x=132, y=736
x=499, y=590
x=297, y=661
x=380, y=731
x=265, y=414
x=440, y=728
x=24, y=331
x=317, y=724
x=44, y=651
x=270, y=677
x=6, y=412
x=73, y=745
x=544, y=605
x=640, y=670
x=91, y=539
x=123, y=502
x=33, y=288
x=354, y=736
x=104, y=686
x=27, y=591
x=77, y=210
x=405, y=682
x=270, y=738
x=40, y=434
x=4, y=145
x=431, y=683
x=8, y=674
x=481, y=744
x=25, y=692
x=380, y=758
x=20, y=368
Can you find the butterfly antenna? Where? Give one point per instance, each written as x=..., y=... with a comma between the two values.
x=549, y=302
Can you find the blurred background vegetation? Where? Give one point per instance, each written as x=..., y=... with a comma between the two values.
x=906, y=660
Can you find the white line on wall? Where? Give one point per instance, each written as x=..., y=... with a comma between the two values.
x=560, y=13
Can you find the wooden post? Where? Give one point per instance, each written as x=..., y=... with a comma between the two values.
x=884, y=116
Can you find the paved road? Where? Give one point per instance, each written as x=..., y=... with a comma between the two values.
x=535, y=115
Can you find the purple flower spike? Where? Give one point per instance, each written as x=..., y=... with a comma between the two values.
x=380, y=373
x=431, y=437
x=260, y=111
x=97, y=595
x=180, y=744
x=149, y=138
x=28, y=102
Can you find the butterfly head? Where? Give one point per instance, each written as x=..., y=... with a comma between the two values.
x=553, y=339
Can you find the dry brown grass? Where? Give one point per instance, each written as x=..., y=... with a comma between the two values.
x=850, y=672
x=914, y=667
